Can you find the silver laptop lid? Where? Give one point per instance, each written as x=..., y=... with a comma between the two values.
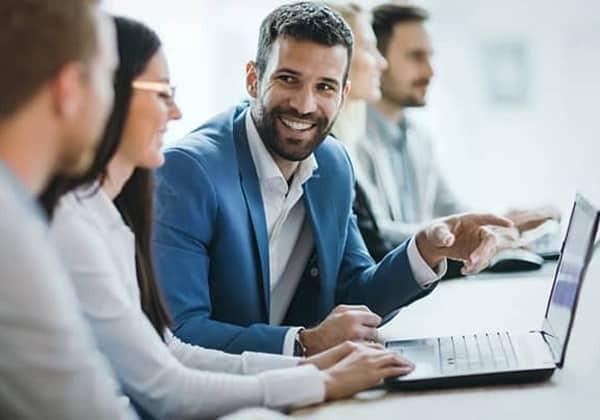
x=575, y=255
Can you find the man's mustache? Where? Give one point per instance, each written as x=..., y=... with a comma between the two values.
x=421, y=83
x=310, y=117
x=295, y=114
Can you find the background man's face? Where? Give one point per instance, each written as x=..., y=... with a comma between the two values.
x=409, y=69
x=298, y=97
x=83, y=135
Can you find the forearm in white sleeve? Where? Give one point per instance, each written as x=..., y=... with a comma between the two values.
x=247, y=363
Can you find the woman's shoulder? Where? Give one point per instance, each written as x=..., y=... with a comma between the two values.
x=87, y=252
x=70, y=211
x=74, y=228
x=86, y=206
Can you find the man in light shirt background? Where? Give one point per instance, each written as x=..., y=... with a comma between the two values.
x=56, y=84
x=407, y=186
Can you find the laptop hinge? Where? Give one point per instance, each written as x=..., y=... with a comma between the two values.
x=553, y=343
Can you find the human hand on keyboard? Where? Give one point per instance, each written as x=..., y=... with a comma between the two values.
x=363, y=368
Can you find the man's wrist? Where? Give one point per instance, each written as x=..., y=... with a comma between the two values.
x=431, y=255
x=305, y=337
x=299, y=348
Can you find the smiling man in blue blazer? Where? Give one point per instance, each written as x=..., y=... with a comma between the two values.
x=256, y=245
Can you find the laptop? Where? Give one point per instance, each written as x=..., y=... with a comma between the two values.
x=498, y=357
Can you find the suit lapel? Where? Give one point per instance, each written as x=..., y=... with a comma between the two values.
x=324, y=221
x=253, y=197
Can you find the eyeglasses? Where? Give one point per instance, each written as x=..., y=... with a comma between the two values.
x=164, y=90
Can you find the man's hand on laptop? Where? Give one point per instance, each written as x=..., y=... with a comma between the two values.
x=465, y=237
x=345, y=322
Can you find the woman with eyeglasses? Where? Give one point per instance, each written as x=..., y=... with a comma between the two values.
x=102, y=227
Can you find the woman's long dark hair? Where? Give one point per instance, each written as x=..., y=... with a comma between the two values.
x=137, y=45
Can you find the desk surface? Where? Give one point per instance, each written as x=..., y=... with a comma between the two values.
x=490, y=302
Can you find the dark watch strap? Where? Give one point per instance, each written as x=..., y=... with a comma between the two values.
x=299, y=349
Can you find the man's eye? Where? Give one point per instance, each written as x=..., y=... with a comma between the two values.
x=326, y=87
x=287, y=79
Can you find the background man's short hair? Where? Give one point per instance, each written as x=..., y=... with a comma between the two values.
x=303, y=21
x=37, y=38
x=388, y=15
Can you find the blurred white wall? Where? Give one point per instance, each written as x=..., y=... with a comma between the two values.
x=542, y=150
x=538, y=147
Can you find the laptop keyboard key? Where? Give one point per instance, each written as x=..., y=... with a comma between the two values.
x=486, y=351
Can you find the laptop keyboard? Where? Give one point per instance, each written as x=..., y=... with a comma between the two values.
x=476, y=351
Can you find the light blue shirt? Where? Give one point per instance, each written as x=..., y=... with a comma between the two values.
x=50, y=367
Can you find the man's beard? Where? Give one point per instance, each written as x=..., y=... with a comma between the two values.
x=288, y=148
x=82, y=163
x=78, y=159
x=411, y=101
x=408, y=99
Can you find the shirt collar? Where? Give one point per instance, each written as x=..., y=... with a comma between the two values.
x=96, y=199
x=17, y=188
x=266, y=168
x=390, y=133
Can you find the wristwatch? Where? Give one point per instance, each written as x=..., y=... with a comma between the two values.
x=299, y=349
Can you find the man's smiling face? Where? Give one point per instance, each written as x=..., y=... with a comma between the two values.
x=298, y=97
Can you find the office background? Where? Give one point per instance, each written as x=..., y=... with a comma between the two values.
x=513, y=104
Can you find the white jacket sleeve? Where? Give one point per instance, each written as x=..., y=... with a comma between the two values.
x=149, y=373
x=247, y=363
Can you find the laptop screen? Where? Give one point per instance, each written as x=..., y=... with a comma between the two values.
x=570, y=271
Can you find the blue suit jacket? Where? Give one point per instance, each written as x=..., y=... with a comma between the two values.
x=211, y=243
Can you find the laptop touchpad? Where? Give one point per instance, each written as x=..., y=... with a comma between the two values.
x=423, y=353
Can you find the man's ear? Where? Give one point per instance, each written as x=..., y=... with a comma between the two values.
x=68, y=91
x=251, y=79
x=346, y=91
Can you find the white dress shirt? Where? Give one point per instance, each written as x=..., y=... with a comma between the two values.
x=168, y=381
x=50, y=367
x=291, y=241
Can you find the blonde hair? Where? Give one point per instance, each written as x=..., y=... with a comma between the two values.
x=348, y=10
x=350, y=126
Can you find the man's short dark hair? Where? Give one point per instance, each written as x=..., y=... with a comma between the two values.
x=387, y=16
x=37, y=38
x=303, y=21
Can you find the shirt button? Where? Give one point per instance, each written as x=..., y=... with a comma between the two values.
x=314, y=272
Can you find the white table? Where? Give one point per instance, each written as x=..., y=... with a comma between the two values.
x=490, y=302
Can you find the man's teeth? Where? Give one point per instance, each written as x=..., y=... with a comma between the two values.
x=296, y=125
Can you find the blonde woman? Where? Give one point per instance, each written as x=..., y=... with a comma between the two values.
x=351, y=125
